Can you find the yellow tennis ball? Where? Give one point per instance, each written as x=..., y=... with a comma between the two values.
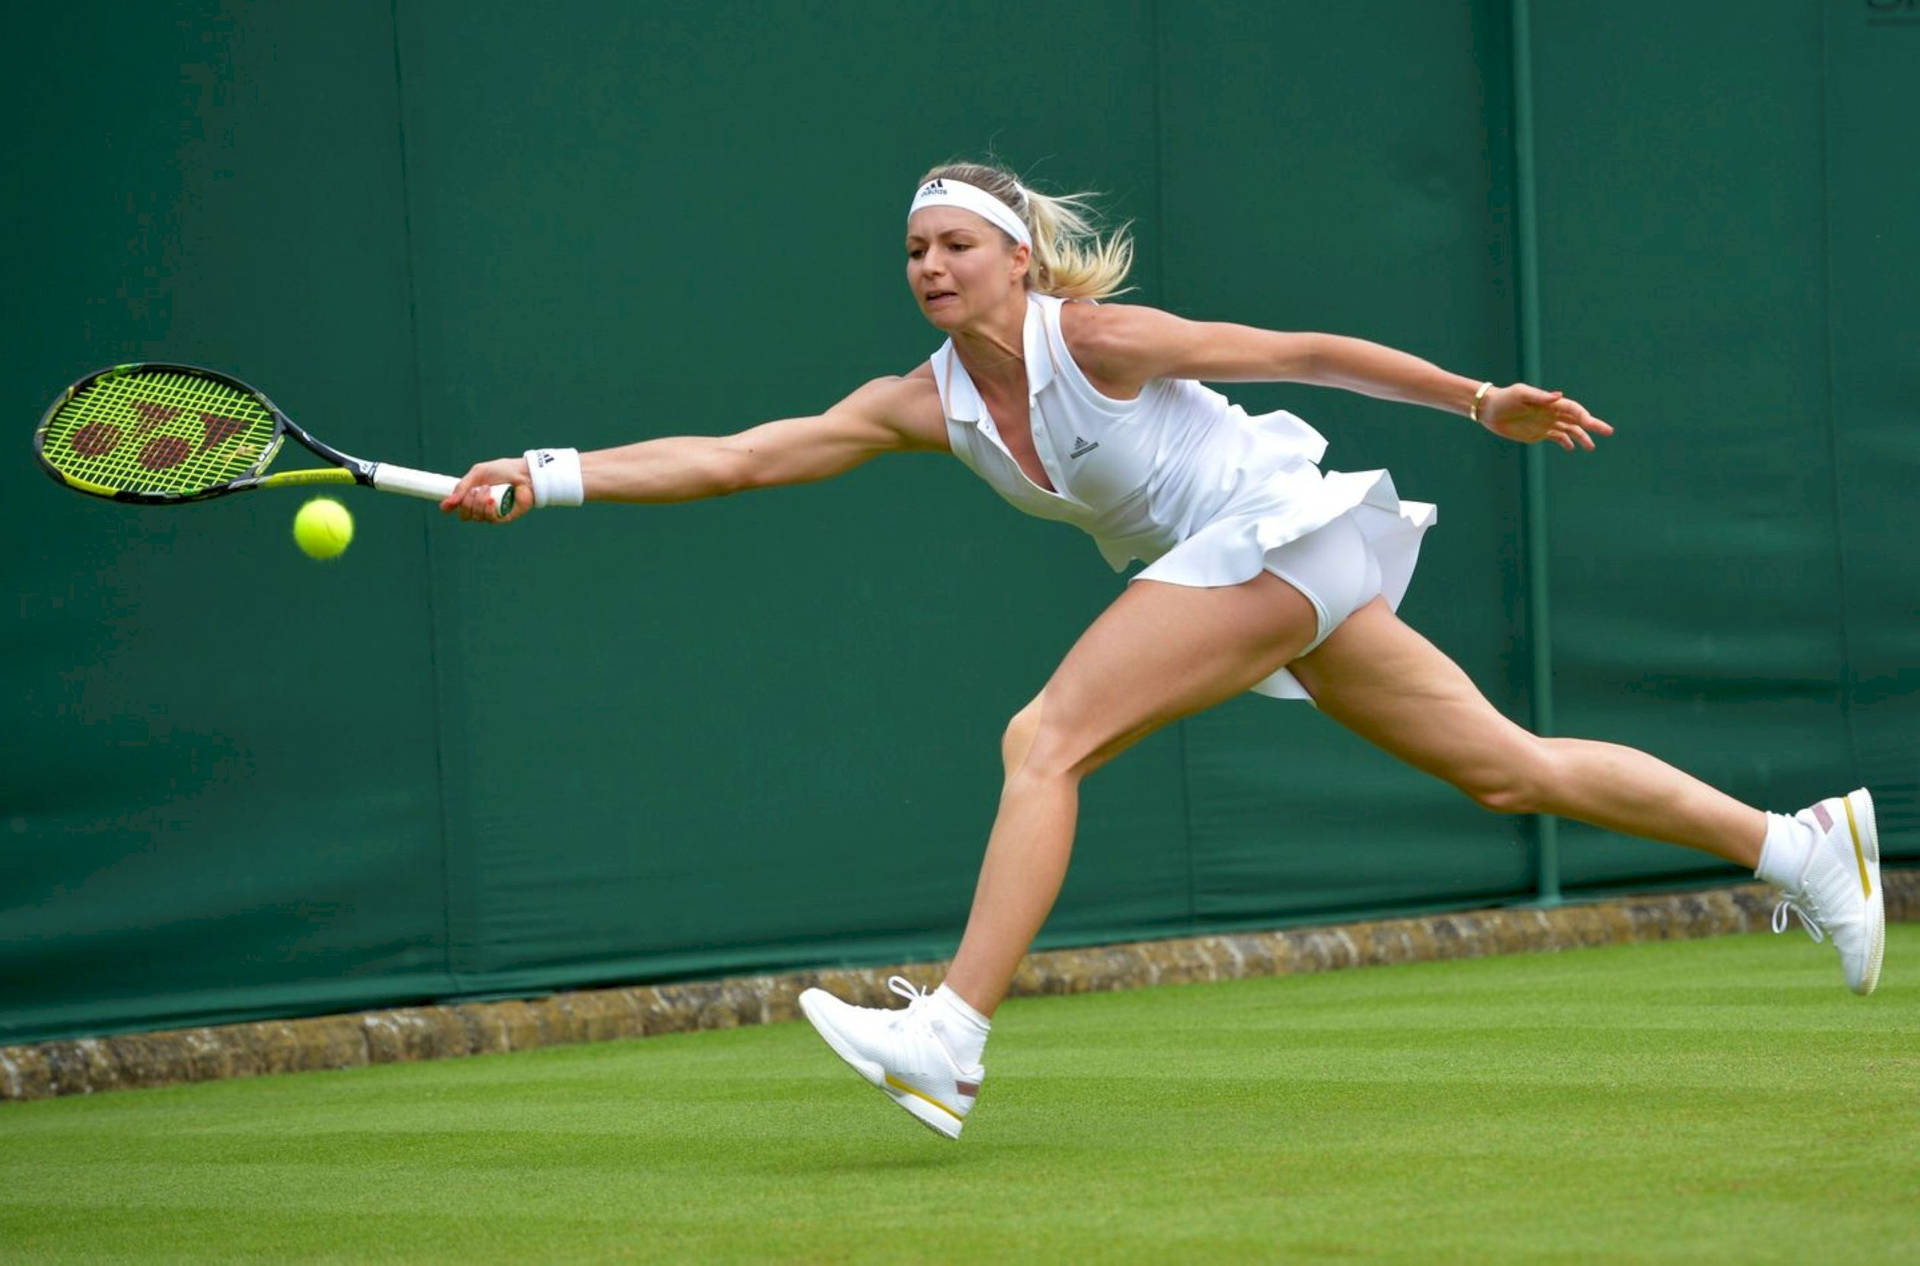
x=322, y=528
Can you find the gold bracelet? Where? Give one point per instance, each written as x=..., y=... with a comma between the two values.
x=1478, y=396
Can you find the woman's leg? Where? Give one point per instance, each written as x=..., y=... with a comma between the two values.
x=1388, y=684
x=1160, y=652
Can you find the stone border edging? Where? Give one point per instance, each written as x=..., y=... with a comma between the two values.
x=129, y=1060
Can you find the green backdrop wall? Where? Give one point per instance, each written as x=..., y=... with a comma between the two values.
x=762, y=732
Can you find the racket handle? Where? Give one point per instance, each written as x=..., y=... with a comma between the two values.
x=431, y=487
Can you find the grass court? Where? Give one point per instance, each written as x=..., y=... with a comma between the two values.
x=1704, y=1101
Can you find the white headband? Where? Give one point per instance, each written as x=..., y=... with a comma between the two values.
x=955, y=193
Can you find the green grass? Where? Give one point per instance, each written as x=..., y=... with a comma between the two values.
x=1702, y=1101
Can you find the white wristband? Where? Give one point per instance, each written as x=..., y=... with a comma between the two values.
x=555, y=473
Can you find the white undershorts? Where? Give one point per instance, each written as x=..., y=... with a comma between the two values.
x=1334, y=567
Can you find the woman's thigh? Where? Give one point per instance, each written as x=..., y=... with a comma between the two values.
x=1384, y=681
x=1161, y=652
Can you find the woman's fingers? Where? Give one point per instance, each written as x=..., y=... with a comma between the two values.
x=455, y=499
x=1578, y=413
x=1580, y=424
x=472, y=497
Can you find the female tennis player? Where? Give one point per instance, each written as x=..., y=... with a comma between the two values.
x=1264, y=573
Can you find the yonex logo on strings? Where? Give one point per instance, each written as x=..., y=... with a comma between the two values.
x=97, y=439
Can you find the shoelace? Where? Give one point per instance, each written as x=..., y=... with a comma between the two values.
x=914, y=996
x=1807, y=920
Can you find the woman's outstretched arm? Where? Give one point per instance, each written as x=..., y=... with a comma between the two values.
x=1517, y=411
x=1122, y=346
x=885, y=415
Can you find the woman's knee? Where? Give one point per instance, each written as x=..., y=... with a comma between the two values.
x=1043, y=738
x=1519, y=782
x=1017, y=741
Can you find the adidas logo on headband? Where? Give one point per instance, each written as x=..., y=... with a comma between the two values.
x=959, y=193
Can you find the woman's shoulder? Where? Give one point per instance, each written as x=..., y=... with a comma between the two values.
x=900, y=391
x=908, y=402
x=1092, y=321
x=1109, y=342
x=1112, y=330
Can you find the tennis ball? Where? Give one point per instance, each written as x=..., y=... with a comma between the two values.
x=323, y=528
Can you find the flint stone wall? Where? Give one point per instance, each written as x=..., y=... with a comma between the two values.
x=130, y=1060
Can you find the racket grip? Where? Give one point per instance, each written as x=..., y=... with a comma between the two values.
x=431, y=487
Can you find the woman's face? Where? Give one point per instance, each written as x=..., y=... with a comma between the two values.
x=960, y=267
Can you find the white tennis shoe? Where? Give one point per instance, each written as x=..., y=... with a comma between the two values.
x=1838, y=893
x=901, y=1052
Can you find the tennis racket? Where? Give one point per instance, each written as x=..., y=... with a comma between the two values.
x=161, y=435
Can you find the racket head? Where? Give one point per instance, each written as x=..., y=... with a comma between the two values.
x=154, y=433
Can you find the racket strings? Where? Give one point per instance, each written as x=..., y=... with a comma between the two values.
x=158, y=431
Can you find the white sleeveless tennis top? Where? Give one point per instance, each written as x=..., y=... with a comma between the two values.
x=1177, y=477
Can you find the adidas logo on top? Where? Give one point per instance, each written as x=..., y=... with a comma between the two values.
x=1081, y=448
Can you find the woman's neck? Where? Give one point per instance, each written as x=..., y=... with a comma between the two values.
x=994, y=352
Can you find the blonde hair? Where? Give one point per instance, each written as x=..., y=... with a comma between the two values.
x=1070, y=257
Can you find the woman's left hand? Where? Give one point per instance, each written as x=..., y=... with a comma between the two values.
x=1528, y=415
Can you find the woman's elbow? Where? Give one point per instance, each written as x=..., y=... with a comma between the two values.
x=1303, y=358
x=732, y=468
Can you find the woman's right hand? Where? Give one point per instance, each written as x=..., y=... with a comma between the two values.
x=472, y=497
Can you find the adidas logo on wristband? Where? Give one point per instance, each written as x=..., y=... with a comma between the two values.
x=555, y=475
